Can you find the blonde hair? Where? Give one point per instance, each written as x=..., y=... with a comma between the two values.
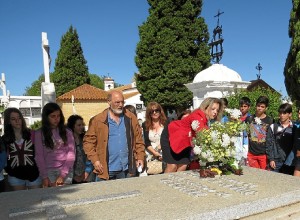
x=208, y=103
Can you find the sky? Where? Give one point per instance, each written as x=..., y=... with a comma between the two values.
x=254, y=32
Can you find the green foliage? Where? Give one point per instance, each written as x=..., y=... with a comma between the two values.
x=117, y=85
x=274, y=100
x=292, y=64
x=70, y=69
x=97, y=81
x=35, y=88
x=173, y=48
x=36, y=125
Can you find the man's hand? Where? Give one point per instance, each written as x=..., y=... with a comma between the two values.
x=272, y=164
x=98, y=167
x=140, y=163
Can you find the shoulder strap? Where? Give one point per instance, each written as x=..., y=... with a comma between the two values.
x=249, y=118
x=275, y=128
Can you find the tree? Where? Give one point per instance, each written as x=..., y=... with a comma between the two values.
x=173, y=48
x=35, y=88
x=97, y=81
x=70, y=69
x=292, y=64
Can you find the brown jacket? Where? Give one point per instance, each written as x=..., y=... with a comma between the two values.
x=96, y=139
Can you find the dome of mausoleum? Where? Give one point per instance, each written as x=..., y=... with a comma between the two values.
x=217, y=72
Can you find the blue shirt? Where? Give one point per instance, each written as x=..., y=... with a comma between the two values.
x=117, y=145
x=224, y=119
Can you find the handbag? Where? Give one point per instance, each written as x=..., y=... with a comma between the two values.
x=154, y=167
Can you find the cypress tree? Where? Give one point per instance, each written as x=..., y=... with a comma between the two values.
x=173, y=48
x=70, y=69
x=292, y=64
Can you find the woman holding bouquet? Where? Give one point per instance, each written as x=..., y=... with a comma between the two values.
x=181, y=132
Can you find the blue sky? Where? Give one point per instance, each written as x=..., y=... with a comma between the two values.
x=254, y=31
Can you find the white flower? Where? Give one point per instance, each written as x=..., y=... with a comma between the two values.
x=257, y=120
x=214, y=135
x=210, y=159
x=203, y=154
x=233, y=139
x=234, y=113
x=197, y=150
x=226, y=140
x=195, y=125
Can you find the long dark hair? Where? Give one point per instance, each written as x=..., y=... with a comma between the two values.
x=162, y=117
x=9, y=134
x=72, y=121
x=46, y=127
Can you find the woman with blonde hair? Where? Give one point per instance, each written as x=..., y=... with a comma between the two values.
x=181, y=132
x=153, y=126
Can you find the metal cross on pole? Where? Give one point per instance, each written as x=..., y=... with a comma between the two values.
x=259, y=68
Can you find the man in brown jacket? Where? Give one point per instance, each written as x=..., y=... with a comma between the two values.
x=114, y=141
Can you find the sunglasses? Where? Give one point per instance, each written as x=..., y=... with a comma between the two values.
x=154, y=111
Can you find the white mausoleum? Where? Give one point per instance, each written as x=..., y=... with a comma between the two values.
x=216, y=81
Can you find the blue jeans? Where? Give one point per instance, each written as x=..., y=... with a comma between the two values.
x=113, y=175
x=14, y=181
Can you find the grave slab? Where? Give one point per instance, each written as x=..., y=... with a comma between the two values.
x=182, y=195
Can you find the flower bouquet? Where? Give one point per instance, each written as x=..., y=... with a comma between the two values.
x=216, y=147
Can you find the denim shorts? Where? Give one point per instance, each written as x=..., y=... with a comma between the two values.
x=54, y=174
x=14, y=181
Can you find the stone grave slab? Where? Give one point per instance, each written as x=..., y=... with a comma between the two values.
x=182, y=195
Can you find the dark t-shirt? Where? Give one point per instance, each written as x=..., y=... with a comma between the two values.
x=257, y=134
x=20, y=161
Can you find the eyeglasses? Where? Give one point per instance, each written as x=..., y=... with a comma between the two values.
x=154, y=111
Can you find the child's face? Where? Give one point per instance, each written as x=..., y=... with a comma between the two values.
x=54, y=119
x=283, y=117
x=79, y=127
x=260, y=109
x=244, y=109
x=15, y=120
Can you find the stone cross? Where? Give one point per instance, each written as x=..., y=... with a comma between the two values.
x=47, y=88
x=5, y=97
x=46, y=56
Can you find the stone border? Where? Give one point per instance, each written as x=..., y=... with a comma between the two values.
x=55, y=209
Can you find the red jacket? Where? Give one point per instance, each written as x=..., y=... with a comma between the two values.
x=181, y=131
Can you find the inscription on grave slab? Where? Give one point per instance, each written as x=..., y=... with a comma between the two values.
x=219, y=186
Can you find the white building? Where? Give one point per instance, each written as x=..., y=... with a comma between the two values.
x=30, y=106
x=216, y=81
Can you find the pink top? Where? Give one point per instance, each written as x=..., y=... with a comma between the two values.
x=182, y=131
x=62, y=157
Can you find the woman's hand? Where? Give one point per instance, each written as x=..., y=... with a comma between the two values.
x=157, y=156
x=86, y=175
x=46, y=182
x=59, y=181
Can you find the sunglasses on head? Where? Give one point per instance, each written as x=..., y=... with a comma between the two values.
x=154, y=111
